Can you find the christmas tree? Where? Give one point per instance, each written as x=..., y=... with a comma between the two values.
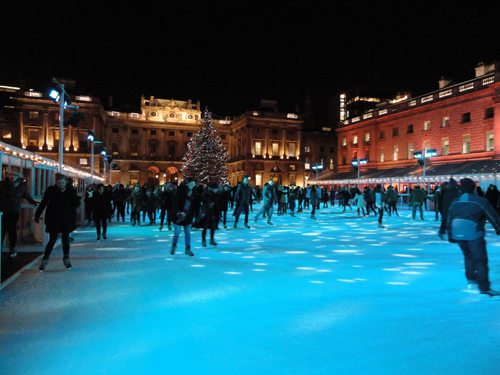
x=206, y=157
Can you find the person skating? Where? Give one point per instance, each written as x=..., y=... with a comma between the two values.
x=360, y=201
x=380, y=198
x=136, y=198
x=314, y=201
x=89, y=198
x=101, y=209
x=208, y=215
x=61, y=202
x=466, y=219
x=242, y=197
x=392, y=200
x=12, y=192
x=416, y=200
x=184, y=215
x=267, y=202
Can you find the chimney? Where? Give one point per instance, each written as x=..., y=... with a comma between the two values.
x=482, y=69
x=443, y=82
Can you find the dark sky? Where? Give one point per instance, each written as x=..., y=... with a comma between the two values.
x=230, y=54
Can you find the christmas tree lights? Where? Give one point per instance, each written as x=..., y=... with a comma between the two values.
x=206, y=157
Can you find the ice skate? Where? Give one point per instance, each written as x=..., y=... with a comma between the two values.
x=172, y=250
x=212, y=242
x=43, y=265
x=188, y=252
x=67, y=263
x=490, y=295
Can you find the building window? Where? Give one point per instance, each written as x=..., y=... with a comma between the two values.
x=367, y=137
x=355, y=155
x=57, y=116
x=153, y=148
x=355, y=140
x=33, y=138
x=258, y=148
x=427, y=145
x=133, y=149
x=382, y=154
x=171, y=133
x=490, y=145
x=382, y=135
x=275, y=131
x=258, y=179
x=332, y=150
x=307, y=165
x=84, y=161
x=292, y=179
x=445, y=121
x=33, y=114
x=395, y=132
x=276, y=149
x=465, y=117
x=291, y=150
x=114, y=130
x=292, y=167
x=223, y=136
x=135, y=131
x=367, y=155
x=171, y=151
x=322, y=149
x=189, y=134
x=395, y=153
x=410, y=151
x=427, y=125
x=466, y=144
x=445, y=150
x=308, y=149
x=410, y=129
x=331, y=164
x=344, y=159
x=344, y=142
x=489, y=113
x=6, y=133
x=114, y=148
x=153, y=132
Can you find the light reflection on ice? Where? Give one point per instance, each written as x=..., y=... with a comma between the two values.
x=396, y=283
x=404, y=255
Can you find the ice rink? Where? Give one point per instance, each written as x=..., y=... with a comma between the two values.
x=332, y=296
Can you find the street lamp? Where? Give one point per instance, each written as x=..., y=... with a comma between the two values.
x=421, y=156
x=356, y=163
x=316, y=168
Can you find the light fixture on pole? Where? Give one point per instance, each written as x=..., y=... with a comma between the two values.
x=317, y=167
x=59, y=95
x=356, y=163
x=91, y=138
x=421, y=156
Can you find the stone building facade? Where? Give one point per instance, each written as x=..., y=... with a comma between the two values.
x=461, y=121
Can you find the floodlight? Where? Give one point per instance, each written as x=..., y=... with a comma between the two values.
x=74, y=119
x=91, y=135
x=417, y=154
x=54, y=94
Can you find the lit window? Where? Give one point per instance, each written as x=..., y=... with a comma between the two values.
x=427, y=125
x=490, y=145
x=291, y=150
x=344, y=142
x=445, y=150
x=355, y=140
x=395, y=153
x=33, y=114
x=258, y=148
x=258, y=179
x=410, y=150
x=427, y=145
x=6, y=133
x=466, y=144
x=307, y=149
x=382, y=154
x=367, y=137
x=83, y=161
x=331, y=164
x=445, y=121
x=276, y=149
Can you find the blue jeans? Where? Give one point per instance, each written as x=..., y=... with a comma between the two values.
x=414, y=210
x=476, y=262
x=187, y=233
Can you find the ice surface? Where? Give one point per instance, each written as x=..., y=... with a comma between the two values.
x=312, y=297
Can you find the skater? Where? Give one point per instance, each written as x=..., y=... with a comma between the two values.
x=209, y=209
x=101, y=209
x=292, y=199
x=135, y=198
x=166, y=198
x=89, y=196
x=416, y=200
x=61, y=202
x=360, y=201
x=380, y=198
x=346, y=196
x=466, y=218
x=392, y=199
x=267, y=202
x=120, y=196
x=314, y=201
x=242, y=198
x=184, y=216
x=12, y=192
x=224, y=203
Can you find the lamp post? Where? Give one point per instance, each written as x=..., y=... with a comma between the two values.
x=59, y=96
x=356, y=163
x=91, y=138
x=317, y=167
x=421, y=156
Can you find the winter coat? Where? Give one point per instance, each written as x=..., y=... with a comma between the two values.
x=284, y=195
x=293, y=195
x=314, y=197
x=268, y=196
x=136, y=198
x=449, y=194
x=184, y=206
x=101, y=206
x=61, y=209
x=225, y=199
x=243, y=194
x=417, y=195
x=360, y=200
x=210, y=206
x=391, y=195
x=467, y=216
x=11, y=197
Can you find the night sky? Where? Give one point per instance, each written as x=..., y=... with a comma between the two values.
x=232, y=54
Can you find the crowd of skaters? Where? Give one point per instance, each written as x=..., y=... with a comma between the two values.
x=464, y=210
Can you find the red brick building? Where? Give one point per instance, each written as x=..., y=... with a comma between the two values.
x=461, y=121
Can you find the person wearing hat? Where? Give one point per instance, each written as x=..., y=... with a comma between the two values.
x=449, y=193
x=12, y=192
x=466, y=218
x=61, y=201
